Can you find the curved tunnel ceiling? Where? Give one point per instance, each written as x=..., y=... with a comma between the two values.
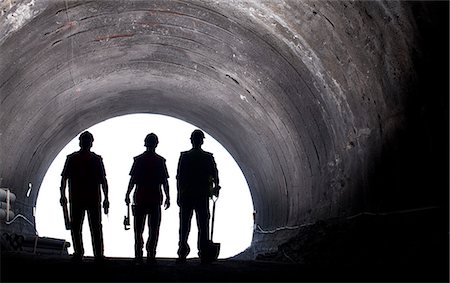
x=300, y=93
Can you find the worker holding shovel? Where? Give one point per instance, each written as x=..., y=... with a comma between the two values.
x=197, y=181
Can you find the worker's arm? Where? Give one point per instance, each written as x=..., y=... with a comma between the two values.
x=105, y=192
x=179, y=182
x=104, y=184
x=215, y=178
x=130, y=188
x=166, y=191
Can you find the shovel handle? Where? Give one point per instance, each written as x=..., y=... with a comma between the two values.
x=213, y=215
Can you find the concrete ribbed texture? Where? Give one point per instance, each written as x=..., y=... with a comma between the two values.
x=304, y=95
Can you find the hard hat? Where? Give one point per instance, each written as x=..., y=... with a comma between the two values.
x=86, y=136
x=151, y=140
x=197, y=134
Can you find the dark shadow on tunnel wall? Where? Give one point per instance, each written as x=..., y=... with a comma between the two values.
x=412, y=168
x=407, y=224
x=412, y=171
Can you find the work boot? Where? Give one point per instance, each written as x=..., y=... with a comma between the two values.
x=77, y=257
x=206, y=259
x=151, y=258
x=138, y=260
x=99, y=259
x=181, y=260
x=183, y=252
x=138, y=256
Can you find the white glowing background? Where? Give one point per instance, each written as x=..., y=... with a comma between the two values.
x=118, y=140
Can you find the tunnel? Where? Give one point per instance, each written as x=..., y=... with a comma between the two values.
x=335, y=111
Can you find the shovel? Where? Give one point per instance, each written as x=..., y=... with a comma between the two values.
x=214, y=248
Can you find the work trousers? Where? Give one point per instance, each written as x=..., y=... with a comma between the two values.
x=154, y=221
x=201, y=208
x=77, y=212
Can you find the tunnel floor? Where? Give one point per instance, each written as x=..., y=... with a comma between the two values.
x=19, y=267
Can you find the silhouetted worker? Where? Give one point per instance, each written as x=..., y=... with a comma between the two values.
x=196, y=175
x=148, y=173
x=85, y=172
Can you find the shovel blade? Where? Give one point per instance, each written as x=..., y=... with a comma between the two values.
x=215, y=250
x=212, y=252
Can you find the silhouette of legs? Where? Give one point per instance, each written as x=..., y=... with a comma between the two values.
x=78, y=212
x=95, y=223
x=139, y=222
x=154, y=221
x=202, y=214
x=186, y=211
x=77, y=218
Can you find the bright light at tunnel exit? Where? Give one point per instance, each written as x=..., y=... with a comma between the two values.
x=118, y=140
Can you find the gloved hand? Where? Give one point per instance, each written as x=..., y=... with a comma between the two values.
x=167, y=203
x=63, y=200
x=106, y=206
x=215, y=190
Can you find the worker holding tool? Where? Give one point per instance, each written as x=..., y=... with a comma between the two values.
x=126, y=219
x=85, y=172
x=197, y=181
x=148, y=173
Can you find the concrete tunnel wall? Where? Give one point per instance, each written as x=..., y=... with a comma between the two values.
x=304, y=95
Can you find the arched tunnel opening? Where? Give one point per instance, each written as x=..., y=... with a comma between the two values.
x=118, y=140
x=336, y=111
